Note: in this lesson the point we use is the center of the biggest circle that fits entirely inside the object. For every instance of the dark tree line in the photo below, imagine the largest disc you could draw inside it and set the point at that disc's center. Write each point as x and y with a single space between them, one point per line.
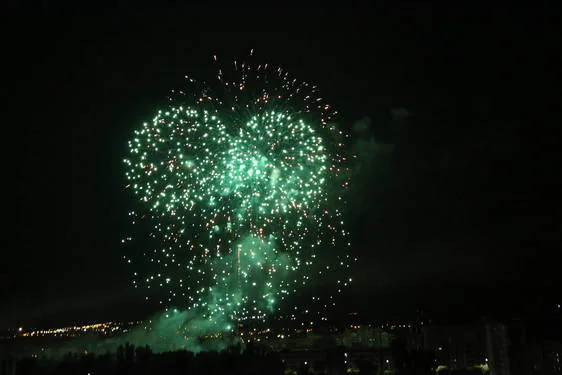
129 360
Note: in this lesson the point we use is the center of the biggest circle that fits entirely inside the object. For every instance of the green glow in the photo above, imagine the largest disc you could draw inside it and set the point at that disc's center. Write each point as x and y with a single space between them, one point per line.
238 194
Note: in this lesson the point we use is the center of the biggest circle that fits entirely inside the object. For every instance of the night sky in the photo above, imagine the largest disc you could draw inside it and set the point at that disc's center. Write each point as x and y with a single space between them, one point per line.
455 198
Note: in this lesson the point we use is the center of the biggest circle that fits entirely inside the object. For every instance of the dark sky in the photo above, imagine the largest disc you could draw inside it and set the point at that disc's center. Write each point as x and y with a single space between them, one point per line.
455 206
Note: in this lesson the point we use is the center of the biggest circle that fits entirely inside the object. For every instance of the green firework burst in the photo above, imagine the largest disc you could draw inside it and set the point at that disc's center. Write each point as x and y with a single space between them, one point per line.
240 193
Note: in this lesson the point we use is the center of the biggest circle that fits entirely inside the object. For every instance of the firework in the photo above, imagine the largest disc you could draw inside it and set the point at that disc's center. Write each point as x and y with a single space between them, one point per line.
240 185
